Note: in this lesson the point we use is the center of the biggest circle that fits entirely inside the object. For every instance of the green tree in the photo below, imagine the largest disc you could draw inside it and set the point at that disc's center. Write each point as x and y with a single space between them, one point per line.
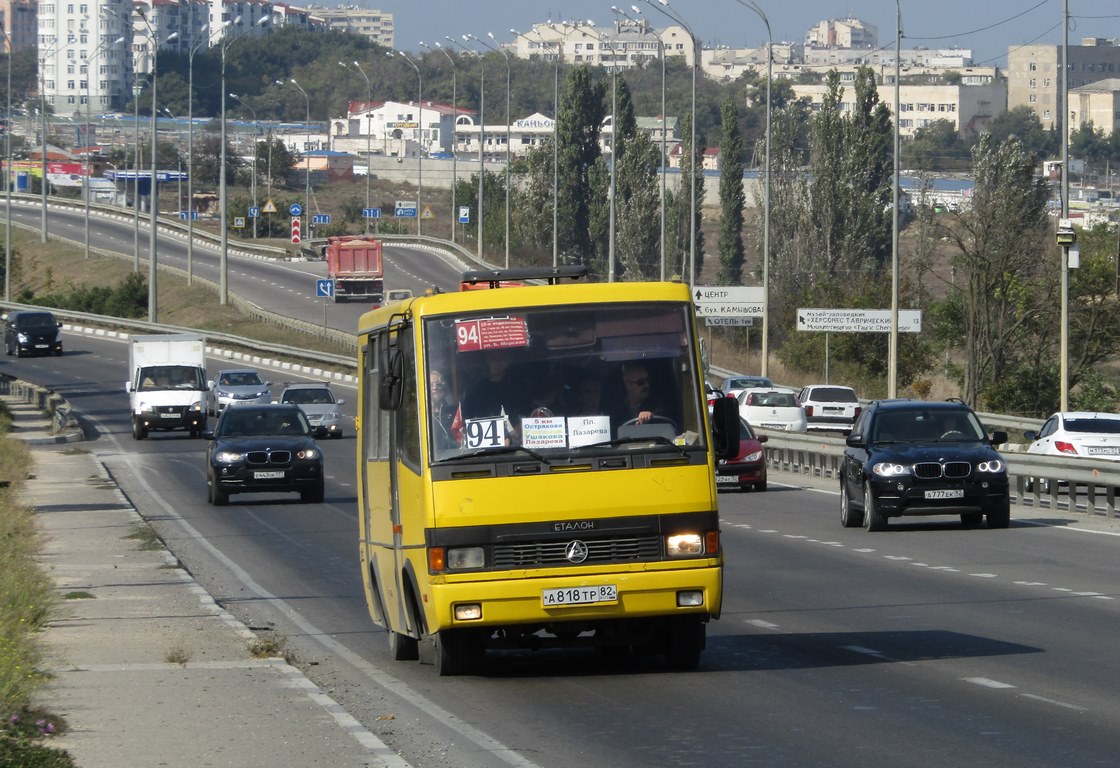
581 115
683 226
731 199
1001 285
274 162
207 162
937 147
637 245
1022 123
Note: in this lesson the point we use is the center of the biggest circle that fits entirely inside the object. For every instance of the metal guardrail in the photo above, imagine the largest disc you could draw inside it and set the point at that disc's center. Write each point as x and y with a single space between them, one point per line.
54 405
1037 481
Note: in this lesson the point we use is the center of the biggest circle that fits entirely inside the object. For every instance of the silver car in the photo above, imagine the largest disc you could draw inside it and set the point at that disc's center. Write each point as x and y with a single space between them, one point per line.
236 386
319 404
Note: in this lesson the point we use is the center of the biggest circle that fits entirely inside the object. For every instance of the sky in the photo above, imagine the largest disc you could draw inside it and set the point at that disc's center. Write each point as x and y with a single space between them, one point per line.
988 27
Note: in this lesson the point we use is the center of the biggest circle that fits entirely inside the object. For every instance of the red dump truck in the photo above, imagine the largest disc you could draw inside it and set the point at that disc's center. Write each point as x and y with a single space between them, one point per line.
354 264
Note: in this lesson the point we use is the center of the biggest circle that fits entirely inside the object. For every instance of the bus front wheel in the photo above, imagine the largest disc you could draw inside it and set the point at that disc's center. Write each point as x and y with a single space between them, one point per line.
457 652
403 647
684 642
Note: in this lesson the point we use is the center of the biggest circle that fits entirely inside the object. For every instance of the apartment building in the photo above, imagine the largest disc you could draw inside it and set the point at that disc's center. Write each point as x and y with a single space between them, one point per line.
1097 104
625 44
842 33
970 108
1034 74
20 23
179 25
84 54
374 24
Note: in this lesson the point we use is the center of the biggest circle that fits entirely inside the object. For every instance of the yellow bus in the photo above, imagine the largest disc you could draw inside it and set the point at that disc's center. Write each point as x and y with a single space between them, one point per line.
536 468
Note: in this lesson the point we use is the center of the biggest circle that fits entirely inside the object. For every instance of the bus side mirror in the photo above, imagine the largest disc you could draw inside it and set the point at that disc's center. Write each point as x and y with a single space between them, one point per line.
391 391
725 427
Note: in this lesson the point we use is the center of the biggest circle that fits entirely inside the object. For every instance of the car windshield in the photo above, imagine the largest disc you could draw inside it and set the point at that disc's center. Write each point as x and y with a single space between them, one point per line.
36 322
158 377
240 379
246 422
563 381
308 396
927 425
1093 426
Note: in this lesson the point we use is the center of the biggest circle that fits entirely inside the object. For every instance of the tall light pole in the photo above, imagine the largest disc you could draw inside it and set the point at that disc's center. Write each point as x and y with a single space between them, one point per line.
419 134
509 125
253 179
454 137
190 155
85 181
179 157
153 205
136 174
306 148
8 177
892 352
751 4
1063 334
614 154
481 138
369 100
664 7
57 48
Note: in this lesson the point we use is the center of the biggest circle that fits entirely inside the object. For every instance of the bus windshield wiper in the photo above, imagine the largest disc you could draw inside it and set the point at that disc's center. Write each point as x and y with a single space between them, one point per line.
505 449
659 439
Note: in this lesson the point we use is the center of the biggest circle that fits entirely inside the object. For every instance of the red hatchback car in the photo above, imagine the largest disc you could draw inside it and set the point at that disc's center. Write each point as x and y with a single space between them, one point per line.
748 468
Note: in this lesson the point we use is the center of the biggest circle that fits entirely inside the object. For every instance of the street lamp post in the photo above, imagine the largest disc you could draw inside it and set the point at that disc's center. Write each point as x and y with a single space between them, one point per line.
419 134
369 100
481 138
614 150
8 177
752 5
253 178
306 148
57 48
153 205
497 49
136 176
190 156
664 141
454 137
668 10
85 180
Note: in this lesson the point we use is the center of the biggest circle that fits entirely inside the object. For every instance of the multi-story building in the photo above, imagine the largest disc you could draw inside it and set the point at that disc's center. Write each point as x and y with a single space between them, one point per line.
84 54
1097 104
970 108
20 22
842 33
374 24
628 43
284 15
238 17
1034 74
179 25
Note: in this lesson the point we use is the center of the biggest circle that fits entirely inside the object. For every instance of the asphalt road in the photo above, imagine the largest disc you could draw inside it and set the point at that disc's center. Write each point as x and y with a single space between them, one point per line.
926 645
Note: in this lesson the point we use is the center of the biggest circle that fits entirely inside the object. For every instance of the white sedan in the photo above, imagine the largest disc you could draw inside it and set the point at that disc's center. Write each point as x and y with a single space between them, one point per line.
772 409
1078 433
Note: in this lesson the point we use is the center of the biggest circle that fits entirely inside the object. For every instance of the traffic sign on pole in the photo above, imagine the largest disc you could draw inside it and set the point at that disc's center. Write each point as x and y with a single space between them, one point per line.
729 301
296 230
464 214
320 218
254 211
371 213
405 209
324 287
295 209
858 320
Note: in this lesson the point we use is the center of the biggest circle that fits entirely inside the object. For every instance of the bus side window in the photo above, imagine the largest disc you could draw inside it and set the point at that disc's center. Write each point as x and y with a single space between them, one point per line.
408 417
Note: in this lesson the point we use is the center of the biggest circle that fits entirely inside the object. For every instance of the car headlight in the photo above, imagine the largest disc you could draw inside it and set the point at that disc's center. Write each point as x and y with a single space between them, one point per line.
196 406
991 465
265 393
22 338
227 457
334 415
307 453
223 393
890 469
684 545
757 455
459 558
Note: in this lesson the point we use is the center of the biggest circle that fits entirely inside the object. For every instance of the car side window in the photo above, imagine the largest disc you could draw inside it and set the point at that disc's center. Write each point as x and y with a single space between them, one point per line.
1049 428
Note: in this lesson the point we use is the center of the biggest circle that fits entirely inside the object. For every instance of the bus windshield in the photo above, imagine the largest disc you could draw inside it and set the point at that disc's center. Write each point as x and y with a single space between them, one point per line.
562 380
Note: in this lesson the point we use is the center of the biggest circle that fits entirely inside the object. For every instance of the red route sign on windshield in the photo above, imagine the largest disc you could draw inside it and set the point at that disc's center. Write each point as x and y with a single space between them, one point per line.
492 333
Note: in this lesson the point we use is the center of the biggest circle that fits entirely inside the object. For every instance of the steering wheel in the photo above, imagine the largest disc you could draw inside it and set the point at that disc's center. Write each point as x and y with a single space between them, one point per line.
953 434
652 420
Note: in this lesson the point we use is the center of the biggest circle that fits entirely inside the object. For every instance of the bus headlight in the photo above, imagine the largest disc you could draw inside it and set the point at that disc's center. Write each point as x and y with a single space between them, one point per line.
684 545
460 558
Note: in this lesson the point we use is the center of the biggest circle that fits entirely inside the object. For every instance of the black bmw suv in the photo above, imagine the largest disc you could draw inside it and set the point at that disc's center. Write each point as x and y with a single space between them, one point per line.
918 457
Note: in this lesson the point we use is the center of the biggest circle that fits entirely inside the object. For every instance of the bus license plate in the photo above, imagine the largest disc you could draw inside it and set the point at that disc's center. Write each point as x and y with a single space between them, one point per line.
602 593
271 475
952 493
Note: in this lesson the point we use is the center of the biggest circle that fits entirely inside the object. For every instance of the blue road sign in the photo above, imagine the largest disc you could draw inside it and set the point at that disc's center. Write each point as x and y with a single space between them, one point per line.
295 209
324 288
321 218
464 214
254 211
183 215
407 213
371 213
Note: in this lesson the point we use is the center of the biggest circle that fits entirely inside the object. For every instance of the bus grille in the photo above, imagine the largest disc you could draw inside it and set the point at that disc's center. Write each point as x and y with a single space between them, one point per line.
540 553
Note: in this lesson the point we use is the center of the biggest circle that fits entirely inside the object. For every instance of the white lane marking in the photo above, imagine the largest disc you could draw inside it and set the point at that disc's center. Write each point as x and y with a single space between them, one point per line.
1055 702
897 557
1031 583
985 575
860 649
761 624
987 682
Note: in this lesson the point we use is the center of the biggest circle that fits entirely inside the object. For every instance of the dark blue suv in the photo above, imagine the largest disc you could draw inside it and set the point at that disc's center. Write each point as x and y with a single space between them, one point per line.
917 457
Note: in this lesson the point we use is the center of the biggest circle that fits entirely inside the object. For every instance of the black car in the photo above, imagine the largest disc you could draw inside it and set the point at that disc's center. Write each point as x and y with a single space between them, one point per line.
32 332
917 457
267 448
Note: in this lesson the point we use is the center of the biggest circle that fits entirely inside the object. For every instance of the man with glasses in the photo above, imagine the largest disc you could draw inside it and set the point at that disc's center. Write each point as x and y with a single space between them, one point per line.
640 401
443 412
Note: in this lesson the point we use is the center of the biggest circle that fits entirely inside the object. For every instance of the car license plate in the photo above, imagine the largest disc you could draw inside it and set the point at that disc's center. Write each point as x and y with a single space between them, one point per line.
1104 450
41 346
602 593
772 426
269 475
727 479
833 409
169 415
951 493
